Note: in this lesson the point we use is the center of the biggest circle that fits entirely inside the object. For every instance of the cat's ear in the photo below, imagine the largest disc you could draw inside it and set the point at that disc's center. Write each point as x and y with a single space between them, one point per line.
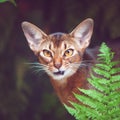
33 35
83 32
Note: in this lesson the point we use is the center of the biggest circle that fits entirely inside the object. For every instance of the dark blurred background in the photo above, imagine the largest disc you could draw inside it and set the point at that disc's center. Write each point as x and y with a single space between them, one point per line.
25 95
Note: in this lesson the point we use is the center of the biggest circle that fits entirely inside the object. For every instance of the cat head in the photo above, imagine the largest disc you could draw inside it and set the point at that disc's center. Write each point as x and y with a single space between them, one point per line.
60 54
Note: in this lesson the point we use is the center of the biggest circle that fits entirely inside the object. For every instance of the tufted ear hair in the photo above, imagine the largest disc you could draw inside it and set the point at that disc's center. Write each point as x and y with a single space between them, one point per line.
33 34
83 32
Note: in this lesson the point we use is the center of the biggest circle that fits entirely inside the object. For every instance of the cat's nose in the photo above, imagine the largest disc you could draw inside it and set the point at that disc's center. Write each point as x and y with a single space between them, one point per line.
57 65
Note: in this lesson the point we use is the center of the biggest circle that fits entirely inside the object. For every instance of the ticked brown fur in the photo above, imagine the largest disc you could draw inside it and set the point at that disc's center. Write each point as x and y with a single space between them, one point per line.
64 57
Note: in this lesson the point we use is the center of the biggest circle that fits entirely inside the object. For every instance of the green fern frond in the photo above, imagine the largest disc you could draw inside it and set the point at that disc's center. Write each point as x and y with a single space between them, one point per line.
103 66
115 78
115 71
89 101
71 110
115 86
114 63
97 95
102 102
101 72
82 114
97 85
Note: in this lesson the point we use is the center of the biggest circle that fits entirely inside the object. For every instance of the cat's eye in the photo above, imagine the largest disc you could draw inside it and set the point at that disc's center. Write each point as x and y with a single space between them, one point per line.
68 53
47 53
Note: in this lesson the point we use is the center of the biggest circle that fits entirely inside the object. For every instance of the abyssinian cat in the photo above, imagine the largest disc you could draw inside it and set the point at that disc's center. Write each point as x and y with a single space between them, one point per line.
64 57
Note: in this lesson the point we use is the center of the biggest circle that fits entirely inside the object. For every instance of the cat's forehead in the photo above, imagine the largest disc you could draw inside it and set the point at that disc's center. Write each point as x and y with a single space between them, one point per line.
59 39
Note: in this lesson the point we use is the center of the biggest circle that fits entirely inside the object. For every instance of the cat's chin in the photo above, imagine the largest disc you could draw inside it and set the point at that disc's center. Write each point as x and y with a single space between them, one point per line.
58 77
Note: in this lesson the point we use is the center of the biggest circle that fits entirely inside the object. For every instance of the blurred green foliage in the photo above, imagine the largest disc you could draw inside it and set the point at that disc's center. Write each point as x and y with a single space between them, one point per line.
3 1
23 94
12 1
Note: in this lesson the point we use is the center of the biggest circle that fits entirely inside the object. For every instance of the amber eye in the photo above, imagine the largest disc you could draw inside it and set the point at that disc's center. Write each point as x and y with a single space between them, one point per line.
47 53
68 53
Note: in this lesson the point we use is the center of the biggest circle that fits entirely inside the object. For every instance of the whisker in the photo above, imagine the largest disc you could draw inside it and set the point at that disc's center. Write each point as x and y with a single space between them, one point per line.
39 72
38 68
36 64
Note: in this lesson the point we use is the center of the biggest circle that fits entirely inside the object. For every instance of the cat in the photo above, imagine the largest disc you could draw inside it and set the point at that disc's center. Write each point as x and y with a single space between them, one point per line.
64 57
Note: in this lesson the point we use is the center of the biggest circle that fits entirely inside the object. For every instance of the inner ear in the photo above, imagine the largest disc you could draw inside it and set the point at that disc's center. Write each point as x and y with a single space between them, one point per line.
33 34
83 32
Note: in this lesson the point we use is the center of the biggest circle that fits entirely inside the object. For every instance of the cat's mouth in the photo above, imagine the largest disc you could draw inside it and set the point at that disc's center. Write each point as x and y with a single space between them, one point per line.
59 73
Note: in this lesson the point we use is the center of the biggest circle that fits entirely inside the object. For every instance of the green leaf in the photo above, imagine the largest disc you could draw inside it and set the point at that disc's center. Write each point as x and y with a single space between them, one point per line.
89 101
71 110
1 1
84 112
12 1
101 72
103 81
115 71
103 66
115 86
115 78
114 63
97 95
97 85
105 54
